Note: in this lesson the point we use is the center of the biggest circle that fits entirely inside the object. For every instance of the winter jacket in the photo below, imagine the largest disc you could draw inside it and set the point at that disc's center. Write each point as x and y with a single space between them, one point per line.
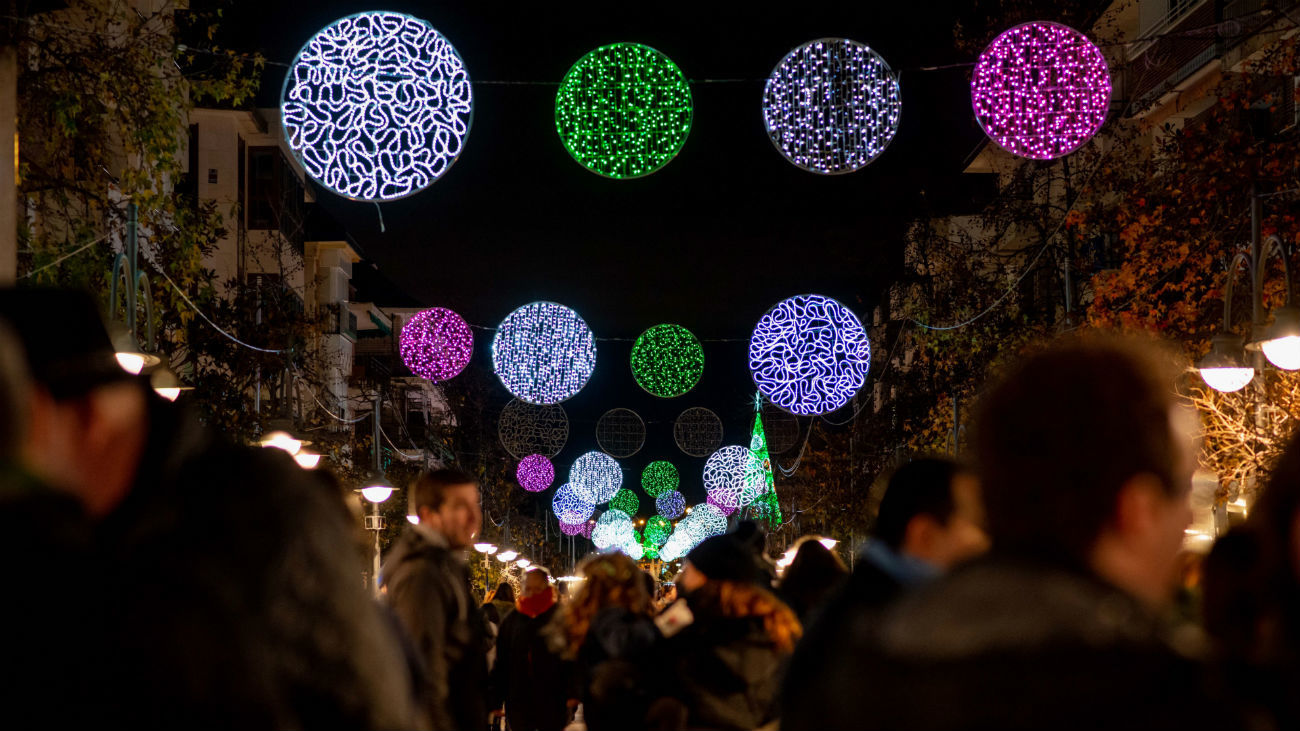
618 670
428 588
230 596
528 677
1007 643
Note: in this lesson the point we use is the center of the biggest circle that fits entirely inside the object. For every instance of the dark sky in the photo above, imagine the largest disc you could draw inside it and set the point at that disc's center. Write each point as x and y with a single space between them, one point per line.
711 241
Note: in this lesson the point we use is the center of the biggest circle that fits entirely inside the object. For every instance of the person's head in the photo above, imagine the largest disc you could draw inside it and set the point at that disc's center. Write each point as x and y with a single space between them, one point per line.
932 510
504 593
728 557
813 574
536 581
447 501
1085 456
87 417
723 577
609 580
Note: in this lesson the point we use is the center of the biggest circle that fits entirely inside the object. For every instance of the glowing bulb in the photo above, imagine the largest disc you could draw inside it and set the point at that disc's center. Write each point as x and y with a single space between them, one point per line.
829 543
507 556
523 563
485 548
376 493
1227 380
1283 352
307 460
413 519
171 394
132 363
282 440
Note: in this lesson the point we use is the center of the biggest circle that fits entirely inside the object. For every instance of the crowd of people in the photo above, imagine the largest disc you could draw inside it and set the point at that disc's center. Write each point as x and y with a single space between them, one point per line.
162 577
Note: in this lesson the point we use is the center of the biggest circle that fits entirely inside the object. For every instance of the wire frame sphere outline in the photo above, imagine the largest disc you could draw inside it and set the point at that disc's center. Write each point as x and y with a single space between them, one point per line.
535 473
436 344
660 477
671 505
1041 90
832 106
697 431
525 429
734 477
620 432
809 355
623 110
725 509
596 477
377 106
543 353
781 428
571 506
667 361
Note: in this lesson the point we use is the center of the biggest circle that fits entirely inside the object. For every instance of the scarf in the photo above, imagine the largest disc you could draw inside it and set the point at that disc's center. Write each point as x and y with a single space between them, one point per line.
535 605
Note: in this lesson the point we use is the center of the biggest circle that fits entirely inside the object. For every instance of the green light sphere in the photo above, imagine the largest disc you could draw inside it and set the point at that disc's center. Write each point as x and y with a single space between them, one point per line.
657 530
625 500
667 360
658 478
623 110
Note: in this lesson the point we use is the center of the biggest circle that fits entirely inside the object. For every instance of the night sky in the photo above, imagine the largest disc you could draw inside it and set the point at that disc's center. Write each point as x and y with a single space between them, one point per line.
711 241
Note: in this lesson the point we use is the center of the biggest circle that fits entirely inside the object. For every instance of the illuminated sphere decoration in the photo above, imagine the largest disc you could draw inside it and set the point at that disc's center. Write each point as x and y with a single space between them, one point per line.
697 431
535 473
659 477
596 477
726 510
734 477
657 530
667 361
671 505
436 344
377 106
1041 90
809 354
543 353
575 529
526 429
625 500
570 506
832 106
620 432
613 528
623 110
706 520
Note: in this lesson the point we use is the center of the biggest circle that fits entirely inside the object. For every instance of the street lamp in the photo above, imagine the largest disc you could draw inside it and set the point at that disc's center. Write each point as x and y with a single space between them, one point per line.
377 490
166 383
1223 368
126 272
1281 342
507 556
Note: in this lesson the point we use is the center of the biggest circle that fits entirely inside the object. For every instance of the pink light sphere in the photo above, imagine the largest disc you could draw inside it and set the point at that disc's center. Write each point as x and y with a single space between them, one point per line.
535 473
436 344
1041 90
576 529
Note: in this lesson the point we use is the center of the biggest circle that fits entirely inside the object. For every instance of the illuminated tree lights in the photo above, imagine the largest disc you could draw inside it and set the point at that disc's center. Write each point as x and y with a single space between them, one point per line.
571 506
671 505
543 353
436 344
620 432
625 500
1041 90
697 431
376 106
595 477
659 477
832 106
623 110
535 473
529 429
809 354
667 360
734 477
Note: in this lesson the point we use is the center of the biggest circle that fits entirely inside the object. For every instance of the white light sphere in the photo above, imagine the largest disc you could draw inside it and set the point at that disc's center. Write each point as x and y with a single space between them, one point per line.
571 507
734 477
595 477
544 353
1227 380
611 529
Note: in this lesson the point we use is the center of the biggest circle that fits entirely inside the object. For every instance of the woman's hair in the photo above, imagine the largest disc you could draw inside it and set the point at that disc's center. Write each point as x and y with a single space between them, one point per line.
812 576
504 593
734 600
612 580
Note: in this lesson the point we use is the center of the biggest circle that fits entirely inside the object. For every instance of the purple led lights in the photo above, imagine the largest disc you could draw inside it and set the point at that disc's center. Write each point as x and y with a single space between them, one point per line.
1041 90
535 473
436 344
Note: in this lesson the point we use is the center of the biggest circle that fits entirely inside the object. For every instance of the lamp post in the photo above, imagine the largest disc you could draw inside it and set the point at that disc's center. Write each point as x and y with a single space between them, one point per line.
376 491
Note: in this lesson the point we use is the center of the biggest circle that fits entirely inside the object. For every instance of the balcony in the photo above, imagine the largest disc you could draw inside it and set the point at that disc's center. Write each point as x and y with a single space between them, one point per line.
337 319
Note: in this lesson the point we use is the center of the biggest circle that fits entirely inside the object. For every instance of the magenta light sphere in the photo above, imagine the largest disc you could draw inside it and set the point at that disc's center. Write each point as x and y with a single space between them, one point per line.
535 473
436 344
1041 90
576 529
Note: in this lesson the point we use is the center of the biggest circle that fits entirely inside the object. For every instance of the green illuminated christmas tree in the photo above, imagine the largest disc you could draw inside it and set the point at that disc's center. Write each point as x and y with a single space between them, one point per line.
766 507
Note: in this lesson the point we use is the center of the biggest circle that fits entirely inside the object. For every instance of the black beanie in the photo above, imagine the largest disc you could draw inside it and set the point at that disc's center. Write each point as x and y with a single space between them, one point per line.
67 347
727 557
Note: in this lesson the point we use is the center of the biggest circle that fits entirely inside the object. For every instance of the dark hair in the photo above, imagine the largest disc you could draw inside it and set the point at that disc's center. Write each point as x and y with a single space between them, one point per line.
504 593
920 487
810 578
1062 433
538 570
430 488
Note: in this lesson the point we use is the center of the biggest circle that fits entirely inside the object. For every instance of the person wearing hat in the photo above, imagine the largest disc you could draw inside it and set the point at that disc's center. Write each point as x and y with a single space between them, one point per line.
225 590
728 652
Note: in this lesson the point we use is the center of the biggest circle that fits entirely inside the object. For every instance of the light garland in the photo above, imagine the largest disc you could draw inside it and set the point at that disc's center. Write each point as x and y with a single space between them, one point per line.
733 477
526 429
626 501
620 432
377 106
535 473
436 344
809 354
596 477
667 360
659 477
832 106
543 353
697 431
1041 90
623 110
671 505
571 506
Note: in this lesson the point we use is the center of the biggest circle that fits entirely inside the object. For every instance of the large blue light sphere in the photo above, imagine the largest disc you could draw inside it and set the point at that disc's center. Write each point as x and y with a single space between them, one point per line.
809 354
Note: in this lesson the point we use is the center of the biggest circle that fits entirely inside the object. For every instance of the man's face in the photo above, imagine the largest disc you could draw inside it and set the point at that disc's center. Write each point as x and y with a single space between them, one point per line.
535 583
963 536
459 517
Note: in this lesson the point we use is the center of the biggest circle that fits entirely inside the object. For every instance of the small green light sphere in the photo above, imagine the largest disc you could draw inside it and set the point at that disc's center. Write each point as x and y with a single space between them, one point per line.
657 530
625 500
659 477
623 110
667 360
